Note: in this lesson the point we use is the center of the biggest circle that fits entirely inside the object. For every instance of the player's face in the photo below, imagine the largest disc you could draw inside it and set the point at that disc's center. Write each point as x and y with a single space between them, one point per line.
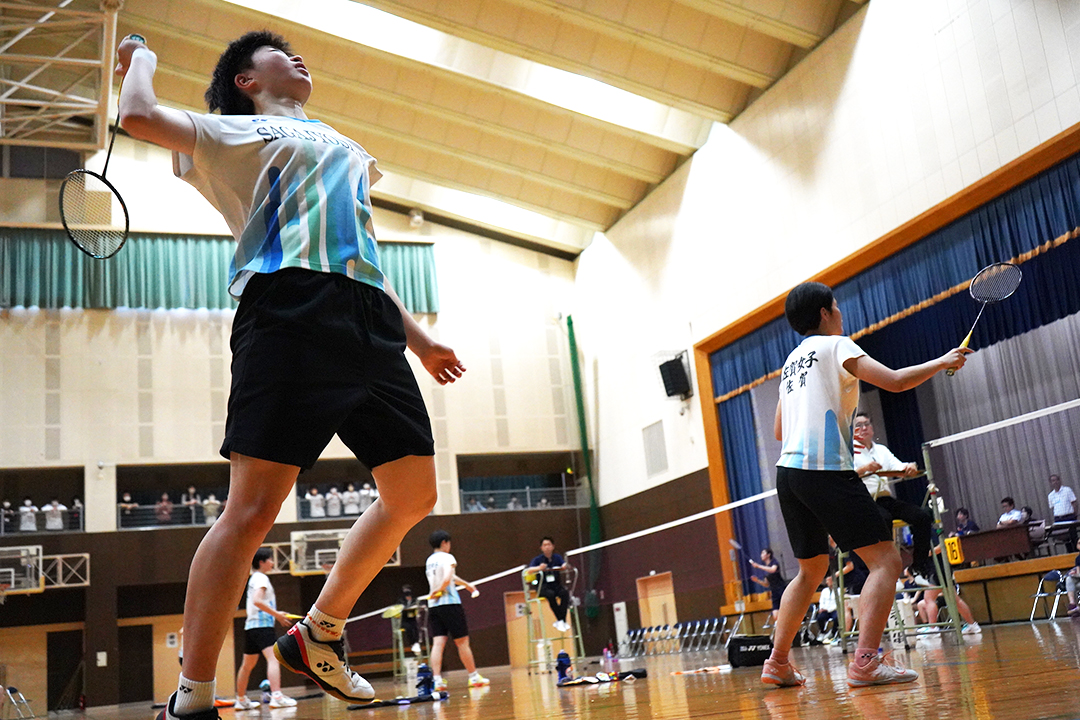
282 75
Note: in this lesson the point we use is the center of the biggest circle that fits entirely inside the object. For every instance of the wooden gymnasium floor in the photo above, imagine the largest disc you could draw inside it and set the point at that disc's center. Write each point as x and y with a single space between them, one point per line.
1019 671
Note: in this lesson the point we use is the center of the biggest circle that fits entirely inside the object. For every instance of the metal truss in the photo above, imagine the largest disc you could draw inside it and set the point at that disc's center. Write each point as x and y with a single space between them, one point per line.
64 571
56 72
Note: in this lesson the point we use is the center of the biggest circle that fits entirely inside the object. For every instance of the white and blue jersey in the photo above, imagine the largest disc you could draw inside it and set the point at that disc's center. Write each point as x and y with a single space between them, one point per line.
441 565
257 618
818 402
294 192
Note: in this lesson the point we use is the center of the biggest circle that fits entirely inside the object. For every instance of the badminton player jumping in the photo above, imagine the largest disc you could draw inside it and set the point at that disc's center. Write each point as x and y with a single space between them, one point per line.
318 346
819 492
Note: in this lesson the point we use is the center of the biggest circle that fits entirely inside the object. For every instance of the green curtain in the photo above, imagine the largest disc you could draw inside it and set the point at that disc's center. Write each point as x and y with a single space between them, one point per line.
42 268
410 268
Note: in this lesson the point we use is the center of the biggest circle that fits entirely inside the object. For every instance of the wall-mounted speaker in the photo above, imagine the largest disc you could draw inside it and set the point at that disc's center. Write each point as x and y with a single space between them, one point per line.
676 377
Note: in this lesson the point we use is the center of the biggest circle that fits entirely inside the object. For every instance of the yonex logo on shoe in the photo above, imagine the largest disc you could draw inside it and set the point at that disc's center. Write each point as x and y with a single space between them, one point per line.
324 666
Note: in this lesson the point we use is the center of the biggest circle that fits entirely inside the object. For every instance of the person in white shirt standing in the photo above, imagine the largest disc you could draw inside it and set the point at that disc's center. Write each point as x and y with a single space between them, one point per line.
333 502
820 494
54 515
445 614
1063 506
259 635
316 503
28 516
351 499
876 465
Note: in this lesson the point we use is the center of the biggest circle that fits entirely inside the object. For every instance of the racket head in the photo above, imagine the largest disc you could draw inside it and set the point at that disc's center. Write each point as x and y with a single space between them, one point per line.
996 282
94 214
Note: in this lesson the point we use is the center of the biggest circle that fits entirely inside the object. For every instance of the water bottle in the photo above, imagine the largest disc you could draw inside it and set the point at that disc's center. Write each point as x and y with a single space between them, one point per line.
265 687
425 680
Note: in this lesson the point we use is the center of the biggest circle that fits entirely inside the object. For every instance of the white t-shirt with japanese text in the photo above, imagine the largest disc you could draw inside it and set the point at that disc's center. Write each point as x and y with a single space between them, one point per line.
818 401
439 566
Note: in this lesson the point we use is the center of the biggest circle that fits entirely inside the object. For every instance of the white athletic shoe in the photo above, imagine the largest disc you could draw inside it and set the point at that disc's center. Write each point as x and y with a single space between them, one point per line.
971 629
242 703
478 680
278 700
440 684
323 662
879 671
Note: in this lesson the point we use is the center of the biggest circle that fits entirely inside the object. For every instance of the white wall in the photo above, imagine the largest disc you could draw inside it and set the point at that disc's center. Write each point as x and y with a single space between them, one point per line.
120 387
905 105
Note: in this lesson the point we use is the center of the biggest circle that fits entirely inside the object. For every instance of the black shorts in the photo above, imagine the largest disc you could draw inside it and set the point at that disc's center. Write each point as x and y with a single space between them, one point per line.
819 503
316 354
258 639
448 620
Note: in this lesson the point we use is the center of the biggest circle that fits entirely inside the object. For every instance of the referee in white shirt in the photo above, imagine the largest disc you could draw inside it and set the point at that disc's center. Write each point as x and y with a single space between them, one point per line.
873 458
1062 501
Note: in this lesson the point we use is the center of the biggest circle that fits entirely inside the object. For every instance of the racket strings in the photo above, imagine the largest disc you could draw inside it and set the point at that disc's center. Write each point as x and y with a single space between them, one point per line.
996 282
88 208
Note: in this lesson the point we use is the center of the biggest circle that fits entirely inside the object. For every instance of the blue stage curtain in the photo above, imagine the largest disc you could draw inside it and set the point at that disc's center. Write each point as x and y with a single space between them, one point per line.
901 417
744 480
1040 210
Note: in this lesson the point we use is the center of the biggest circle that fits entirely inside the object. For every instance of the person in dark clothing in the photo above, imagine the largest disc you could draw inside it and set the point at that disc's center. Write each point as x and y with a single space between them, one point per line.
549 582
773 579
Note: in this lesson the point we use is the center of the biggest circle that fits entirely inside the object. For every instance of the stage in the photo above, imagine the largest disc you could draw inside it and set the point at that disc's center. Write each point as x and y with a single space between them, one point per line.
1018 671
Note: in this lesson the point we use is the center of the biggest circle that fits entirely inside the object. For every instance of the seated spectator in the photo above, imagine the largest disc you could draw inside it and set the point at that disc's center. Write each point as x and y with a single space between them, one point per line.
316 503
543 503
351 500
28 516
163 510
490 503
54 515
514 503
1009 514
1071 581
75 515
333 502
211 508
964 524
473 505
827 610
928 609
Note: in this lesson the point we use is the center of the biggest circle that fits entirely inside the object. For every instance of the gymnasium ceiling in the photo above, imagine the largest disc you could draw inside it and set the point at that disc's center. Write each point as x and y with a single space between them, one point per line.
538 120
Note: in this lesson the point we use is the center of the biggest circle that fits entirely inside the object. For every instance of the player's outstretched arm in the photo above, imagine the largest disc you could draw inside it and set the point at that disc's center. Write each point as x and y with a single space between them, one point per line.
870 370
140 114
438 359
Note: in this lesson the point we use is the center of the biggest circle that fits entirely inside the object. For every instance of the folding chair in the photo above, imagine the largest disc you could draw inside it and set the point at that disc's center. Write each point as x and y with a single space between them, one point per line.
19 702
1058 578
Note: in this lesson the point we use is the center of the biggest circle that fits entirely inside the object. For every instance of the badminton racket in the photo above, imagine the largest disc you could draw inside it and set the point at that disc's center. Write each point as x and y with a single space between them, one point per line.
993 284
94 213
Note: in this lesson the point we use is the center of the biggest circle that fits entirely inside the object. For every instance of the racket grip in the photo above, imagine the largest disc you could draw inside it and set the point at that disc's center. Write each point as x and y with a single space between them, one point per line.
952 371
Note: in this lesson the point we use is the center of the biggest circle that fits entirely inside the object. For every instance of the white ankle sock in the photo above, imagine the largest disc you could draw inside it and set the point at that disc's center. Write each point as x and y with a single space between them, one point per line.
191 696
325 628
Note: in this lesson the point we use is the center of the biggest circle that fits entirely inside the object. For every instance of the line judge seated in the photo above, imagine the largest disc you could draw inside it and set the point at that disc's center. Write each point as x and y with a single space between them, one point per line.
877 467
549 582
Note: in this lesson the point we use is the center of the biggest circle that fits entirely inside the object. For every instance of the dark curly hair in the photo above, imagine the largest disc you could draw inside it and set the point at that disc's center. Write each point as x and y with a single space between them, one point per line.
223 94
